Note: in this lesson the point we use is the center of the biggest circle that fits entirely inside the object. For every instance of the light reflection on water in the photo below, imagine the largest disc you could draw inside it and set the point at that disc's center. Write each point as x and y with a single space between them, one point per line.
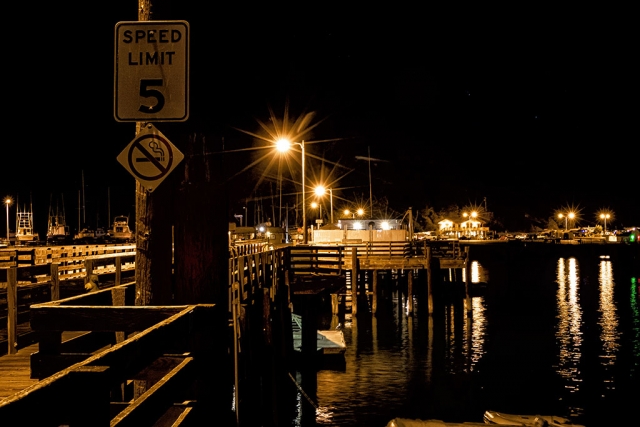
569 326
421 367
609 334
635 316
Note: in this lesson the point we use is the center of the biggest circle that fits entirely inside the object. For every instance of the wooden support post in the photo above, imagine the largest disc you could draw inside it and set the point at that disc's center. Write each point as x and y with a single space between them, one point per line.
118 300
429 282
55 281
467 274
118 280
410 292
88 269
334 304
201 256
354 281
309 341
374 302
93 400
12 310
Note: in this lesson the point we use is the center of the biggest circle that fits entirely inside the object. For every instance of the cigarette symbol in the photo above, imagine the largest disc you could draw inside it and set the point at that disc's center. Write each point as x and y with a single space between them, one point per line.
155 147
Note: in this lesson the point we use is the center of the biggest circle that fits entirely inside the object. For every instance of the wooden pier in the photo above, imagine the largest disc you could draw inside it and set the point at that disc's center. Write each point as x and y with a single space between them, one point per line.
128 358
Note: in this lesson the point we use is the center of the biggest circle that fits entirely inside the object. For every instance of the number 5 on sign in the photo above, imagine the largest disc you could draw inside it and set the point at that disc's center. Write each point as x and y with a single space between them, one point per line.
151 78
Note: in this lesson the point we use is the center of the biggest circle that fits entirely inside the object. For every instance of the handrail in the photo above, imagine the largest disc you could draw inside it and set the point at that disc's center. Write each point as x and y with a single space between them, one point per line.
80 394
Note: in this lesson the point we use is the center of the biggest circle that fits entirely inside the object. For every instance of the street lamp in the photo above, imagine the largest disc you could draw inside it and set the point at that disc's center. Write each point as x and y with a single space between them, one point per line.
320 191
282 145
605 217
316 205
8 201
569 215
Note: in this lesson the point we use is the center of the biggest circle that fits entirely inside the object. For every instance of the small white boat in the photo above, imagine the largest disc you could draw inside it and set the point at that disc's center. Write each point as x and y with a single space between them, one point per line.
404 422
85 236
329 342
120 231
500 418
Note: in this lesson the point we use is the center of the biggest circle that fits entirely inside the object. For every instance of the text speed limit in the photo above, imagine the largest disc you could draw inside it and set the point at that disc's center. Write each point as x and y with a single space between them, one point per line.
151 71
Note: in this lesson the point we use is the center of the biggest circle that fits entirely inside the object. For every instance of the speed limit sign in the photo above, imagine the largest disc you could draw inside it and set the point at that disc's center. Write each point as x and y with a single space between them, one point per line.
151 81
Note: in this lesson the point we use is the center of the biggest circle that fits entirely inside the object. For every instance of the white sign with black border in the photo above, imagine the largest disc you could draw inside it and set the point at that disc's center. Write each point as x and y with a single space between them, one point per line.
150 157
151 75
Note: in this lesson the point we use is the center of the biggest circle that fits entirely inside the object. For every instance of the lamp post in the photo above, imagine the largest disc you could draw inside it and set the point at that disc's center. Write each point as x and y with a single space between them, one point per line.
282 145
605 217
320 190
568 215
8 201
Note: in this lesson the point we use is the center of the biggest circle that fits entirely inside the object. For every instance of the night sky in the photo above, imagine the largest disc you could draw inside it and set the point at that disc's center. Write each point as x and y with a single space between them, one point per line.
533 109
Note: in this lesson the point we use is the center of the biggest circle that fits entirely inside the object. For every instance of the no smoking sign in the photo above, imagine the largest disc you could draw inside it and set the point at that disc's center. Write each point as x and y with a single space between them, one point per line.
150 157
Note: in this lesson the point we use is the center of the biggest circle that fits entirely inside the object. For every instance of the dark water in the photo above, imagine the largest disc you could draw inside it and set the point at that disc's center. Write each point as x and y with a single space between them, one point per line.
549 335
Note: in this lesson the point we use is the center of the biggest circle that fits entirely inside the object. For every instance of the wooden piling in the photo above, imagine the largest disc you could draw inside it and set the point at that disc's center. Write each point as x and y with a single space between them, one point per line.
410 292
12 310
374 302
467 274
429 282
118 279
88 270
55 281
354 281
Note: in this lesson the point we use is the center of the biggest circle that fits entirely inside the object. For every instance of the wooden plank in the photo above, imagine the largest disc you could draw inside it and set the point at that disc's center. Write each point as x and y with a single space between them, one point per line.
89 318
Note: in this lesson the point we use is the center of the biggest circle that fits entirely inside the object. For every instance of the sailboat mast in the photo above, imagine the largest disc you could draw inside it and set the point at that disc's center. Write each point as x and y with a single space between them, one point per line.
84 219
370 190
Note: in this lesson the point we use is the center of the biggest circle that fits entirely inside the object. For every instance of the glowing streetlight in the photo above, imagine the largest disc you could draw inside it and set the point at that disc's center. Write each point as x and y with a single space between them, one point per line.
283 145
359 212
8 201
473 214
320 191
569 215
316 205
605 217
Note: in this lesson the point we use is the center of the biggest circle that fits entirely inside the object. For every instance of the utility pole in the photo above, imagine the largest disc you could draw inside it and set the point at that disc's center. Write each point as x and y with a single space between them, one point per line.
152 230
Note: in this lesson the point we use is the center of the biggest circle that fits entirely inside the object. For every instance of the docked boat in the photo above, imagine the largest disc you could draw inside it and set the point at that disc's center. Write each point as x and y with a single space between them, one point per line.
100 235
329 342
405 422
85 235
25 234
501 418
57 229
120 231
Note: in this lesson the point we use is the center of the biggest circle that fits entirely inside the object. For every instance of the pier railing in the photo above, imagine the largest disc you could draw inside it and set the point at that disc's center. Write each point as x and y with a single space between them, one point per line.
40 275
154 353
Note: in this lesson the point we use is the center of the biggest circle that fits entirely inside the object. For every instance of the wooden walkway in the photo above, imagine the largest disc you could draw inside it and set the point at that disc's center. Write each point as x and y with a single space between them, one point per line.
15 369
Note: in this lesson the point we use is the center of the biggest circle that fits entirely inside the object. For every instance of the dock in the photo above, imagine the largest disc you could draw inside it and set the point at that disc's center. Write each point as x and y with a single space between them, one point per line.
265 285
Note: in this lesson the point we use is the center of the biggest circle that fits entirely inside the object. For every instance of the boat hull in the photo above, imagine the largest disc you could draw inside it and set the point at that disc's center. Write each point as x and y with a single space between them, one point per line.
501 418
